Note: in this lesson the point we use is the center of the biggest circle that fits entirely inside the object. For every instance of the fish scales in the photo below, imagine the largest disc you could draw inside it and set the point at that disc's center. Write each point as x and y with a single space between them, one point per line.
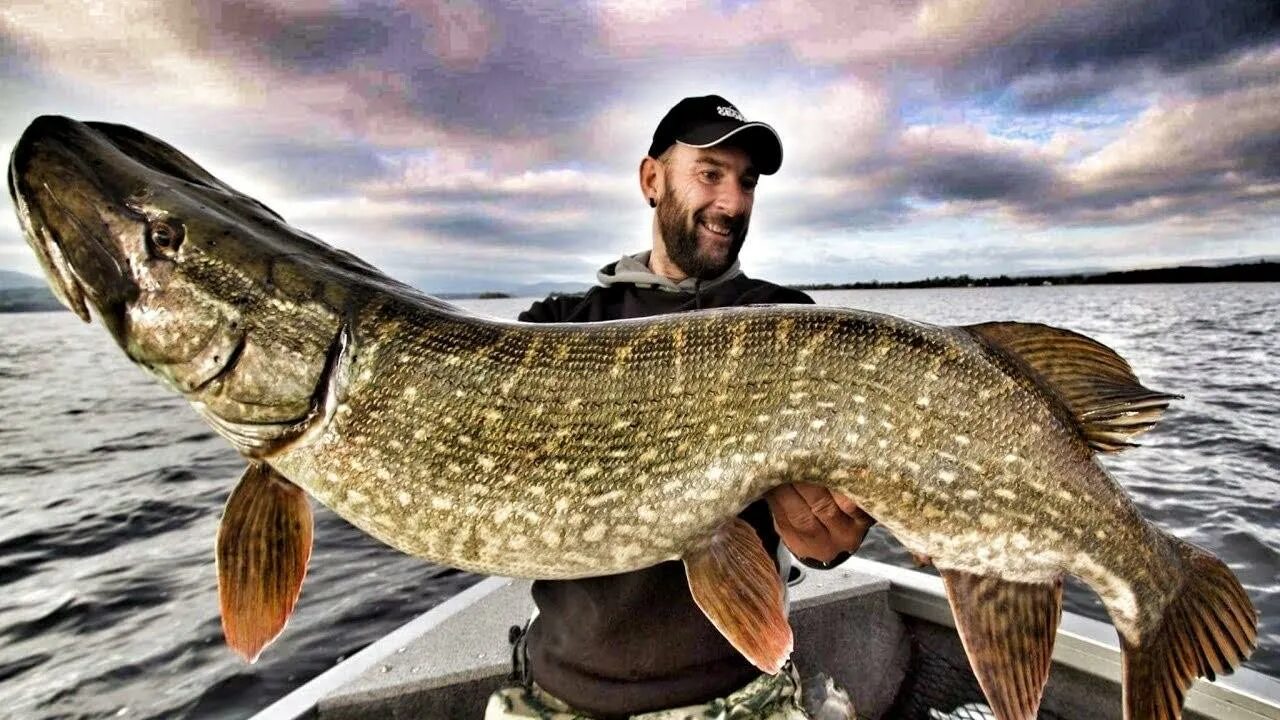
561 451
575 415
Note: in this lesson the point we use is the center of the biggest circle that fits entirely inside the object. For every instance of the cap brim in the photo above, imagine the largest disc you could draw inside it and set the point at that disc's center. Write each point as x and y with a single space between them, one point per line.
758 139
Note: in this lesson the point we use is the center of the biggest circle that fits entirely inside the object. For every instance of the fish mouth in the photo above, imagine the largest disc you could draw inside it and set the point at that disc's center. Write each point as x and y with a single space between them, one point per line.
58 271
61 177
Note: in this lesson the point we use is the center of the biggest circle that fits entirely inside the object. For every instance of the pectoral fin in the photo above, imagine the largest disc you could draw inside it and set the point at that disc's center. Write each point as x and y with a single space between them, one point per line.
735 583
1007 629
264 543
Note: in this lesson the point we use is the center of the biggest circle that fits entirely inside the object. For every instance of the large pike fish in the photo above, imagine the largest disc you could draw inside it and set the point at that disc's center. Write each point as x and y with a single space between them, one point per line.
562 451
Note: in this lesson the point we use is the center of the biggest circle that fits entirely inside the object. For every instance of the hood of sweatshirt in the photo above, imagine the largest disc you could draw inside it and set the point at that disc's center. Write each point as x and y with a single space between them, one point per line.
634 270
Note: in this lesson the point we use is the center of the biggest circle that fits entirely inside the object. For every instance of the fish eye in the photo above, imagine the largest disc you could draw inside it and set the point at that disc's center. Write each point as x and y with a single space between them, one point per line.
165 236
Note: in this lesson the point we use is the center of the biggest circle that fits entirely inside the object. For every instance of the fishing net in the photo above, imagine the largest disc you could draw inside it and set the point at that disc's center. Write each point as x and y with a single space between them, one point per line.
939 688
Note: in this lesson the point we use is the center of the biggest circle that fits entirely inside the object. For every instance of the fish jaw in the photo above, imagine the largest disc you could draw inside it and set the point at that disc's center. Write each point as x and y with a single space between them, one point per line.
65 214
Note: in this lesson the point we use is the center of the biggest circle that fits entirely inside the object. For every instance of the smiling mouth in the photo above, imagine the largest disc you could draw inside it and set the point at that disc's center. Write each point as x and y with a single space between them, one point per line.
716 228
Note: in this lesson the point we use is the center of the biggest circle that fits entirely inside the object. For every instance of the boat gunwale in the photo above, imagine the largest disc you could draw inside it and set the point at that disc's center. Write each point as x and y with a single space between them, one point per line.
303 701
1088 645
1084 644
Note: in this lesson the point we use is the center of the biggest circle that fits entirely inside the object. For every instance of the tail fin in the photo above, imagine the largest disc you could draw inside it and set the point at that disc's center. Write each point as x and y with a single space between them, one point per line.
1208 629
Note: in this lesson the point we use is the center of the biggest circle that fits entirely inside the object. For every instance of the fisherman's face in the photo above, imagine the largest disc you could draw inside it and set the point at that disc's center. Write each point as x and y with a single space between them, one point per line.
705 207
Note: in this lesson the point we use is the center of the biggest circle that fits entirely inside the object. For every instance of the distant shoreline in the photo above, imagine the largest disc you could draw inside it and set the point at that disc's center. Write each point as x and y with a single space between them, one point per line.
1261 271
28 299
38 299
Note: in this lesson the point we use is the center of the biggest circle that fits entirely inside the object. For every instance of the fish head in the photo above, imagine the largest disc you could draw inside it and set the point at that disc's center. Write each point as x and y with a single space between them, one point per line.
195 281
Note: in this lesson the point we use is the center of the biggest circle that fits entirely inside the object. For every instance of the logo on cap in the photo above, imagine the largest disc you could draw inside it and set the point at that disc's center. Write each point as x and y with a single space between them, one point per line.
731 111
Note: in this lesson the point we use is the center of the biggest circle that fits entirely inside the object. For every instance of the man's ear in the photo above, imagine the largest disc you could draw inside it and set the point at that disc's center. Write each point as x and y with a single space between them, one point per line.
651 180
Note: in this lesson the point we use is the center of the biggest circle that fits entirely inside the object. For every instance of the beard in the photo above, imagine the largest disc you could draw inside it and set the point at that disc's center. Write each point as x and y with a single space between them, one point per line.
679 228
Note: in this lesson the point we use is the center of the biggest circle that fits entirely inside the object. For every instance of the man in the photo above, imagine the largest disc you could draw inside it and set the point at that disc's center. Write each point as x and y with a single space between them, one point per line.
626 645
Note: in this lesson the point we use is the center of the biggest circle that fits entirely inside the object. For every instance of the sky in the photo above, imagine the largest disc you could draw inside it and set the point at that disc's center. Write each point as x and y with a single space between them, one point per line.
467 145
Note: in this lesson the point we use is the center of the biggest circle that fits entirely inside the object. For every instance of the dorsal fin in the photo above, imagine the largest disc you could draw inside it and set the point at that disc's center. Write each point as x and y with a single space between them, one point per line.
1097 385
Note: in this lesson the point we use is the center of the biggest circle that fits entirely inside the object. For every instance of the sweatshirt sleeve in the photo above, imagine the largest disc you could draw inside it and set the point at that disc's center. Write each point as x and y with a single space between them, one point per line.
548 310
769 294
566 307
792 296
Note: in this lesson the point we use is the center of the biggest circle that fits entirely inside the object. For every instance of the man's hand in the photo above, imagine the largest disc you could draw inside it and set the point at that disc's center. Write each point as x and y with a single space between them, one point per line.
816 523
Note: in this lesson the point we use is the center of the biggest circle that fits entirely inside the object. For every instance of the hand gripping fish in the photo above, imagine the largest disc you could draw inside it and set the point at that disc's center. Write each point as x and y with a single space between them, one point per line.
563 451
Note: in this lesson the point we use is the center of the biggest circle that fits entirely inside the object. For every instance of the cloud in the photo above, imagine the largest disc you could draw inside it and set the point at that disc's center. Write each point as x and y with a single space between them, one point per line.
318 37
1057 90
461 68
964 163
1046 53
1184 155
447 140
126 44
426 73
308 169
1251 68
1171 34
1199 168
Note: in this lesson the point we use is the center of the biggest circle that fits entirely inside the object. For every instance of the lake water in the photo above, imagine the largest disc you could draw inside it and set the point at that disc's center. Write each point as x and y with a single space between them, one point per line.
111 490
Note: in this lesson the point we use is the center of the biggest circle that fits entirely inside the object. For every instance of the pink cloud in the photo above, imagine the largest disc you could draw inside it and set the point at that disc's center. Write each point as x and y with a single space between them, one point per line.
462 31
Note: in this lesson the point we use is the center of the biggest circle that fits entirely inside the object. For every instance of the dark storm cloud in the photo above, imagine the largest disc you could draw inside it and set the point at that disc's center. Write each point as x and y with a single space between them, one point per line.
1173 34
519 223
977 176
920 166
543 73
308 169
533 69
1208 155
495 190
1066 90
1091 49
305 41
476 226
1208 158
869 207
1257 68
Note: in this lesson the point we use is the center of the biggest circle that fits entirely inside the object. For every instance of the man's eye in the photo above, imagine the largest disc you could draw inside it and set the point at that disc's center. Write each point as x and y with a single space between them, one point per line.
710 176
749 185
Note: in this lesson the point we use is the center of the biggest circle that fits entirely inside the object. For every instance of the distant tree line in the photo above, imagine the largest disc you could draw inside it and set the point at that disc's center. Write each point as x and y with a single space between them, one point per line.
1261 271
36 299
28 299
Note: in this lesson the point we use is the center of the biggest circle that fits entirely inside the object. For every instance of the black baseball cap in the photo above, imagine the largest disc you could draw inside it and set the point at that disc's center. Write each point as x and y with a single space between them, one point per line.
711 120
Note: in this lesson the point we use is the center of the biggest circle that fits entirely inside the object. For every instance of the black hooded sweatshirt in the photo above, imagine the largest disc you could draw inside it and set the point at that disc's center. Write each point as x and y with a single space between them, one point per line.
625 644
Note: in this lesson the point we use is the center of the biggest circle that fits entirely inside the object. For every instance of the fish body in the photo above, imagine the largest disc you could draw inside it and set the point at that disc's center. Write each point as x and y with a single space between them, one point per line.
495 446
561 451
